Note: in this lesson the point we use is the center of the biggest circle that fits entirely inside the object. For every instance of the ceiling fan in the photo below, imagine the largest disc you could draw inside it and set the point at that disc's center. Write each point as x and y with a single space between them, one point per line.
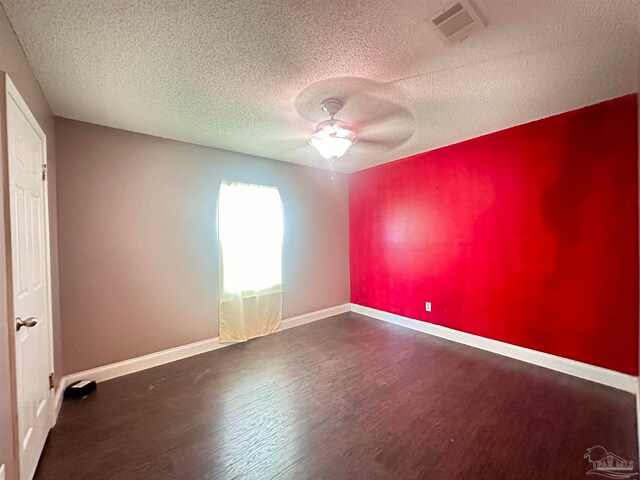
332 138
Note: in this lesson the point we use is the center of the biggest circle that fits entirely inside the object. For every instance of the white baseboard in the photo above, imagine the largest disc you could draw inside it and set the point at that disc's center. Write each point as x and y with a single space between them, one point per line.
114 370
58 397
118 369
313 316
601 375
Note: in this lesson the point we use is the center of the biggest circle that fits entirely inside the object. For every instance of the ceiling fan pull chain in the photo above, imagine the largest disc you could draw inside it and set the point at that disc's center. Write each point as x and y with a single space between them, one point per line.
333 168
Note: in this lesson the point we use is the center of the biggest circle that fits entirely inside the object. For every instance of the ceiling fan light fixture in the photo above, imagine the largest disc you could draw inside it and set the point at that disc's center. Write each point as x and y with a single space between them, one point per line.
332 138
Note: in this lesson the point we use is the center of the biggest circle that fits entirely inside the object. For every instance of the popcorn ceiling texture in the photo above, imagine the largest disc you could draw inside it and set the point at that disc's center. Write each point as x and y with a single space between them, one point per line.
247 76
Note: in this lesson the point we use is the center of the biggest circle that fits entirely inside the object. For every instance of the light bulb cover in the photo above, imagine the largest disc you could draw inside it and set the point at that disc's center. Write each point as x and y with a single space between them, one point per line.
332 138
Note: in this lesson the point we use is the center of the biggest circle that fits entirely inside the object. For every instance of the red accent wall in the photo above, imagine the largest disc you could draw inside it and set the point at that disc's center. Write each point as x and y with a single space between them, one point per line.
528 235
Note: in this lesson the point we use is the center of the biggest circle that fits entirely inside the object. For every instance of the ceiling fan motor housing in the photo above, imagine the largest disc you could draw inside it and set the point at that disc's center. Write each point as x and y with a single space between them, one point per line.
331 106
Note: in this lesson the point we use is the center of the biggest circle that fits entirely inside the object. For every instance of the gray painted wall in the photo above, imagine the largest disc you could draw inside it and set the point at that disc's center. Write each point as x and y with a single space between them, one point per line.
138 247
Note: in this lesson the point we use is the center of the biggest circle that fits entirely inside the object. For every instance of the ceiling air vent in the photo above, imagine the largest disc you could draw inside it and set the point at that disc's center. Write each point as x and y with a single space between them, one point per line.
457 21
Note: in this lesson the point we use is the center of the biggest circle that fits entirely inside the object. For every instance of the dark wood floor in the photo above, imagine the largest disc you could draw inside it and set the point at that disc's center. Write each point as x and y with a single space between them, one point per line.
343 398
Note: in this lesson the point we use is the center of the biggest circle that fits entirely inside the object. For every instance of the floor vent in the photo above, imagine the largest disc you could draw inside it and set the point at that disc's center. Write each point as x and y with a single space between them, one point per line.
457 21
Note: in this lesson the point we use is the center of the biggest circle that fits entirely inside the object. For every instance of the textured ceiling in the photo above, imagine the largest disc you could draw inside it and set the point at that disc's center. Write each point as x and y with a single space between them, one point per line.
249 76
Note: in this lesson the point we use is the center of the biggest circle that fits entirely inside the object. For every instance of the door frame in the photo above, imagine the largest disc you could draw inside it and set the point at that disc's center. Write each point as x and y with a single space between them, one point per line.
12 94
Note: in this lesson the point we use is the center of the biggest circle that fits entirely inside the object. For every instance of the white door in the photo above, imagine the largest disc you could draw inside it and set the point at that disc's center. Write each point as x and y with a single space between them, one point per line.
30 280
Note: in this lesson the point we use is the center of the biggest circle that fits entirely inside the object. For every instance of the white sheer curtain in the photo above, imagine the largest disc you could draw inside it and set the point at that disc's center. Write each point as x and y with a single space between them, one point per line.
250 227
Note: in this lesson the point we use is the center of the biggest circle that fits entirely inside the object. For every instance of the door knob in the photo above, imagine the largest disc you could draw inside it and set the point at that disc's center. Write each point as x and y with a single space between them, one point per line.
27 322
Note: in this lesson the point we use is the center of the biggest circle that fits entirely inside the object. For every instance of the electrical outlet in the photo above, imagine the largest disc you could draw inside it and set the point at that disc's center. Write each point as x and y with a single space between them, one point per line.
427 306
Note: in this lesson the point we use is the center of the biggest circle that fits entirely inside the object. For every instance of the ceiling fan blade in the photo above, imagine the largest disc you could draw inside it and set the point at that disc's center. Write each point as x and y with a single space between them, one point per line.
385 142
378 132
381 115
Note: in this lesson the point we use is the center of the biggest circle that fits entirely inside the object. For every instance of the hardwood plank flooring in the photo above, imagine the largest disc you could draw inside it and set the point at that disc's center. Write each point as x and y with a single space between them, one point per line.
343 398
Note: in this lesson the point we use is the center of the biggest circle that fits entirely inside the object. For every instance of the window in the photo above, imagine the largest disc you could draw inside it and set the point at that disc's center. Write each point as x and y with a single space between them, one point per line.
250 224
